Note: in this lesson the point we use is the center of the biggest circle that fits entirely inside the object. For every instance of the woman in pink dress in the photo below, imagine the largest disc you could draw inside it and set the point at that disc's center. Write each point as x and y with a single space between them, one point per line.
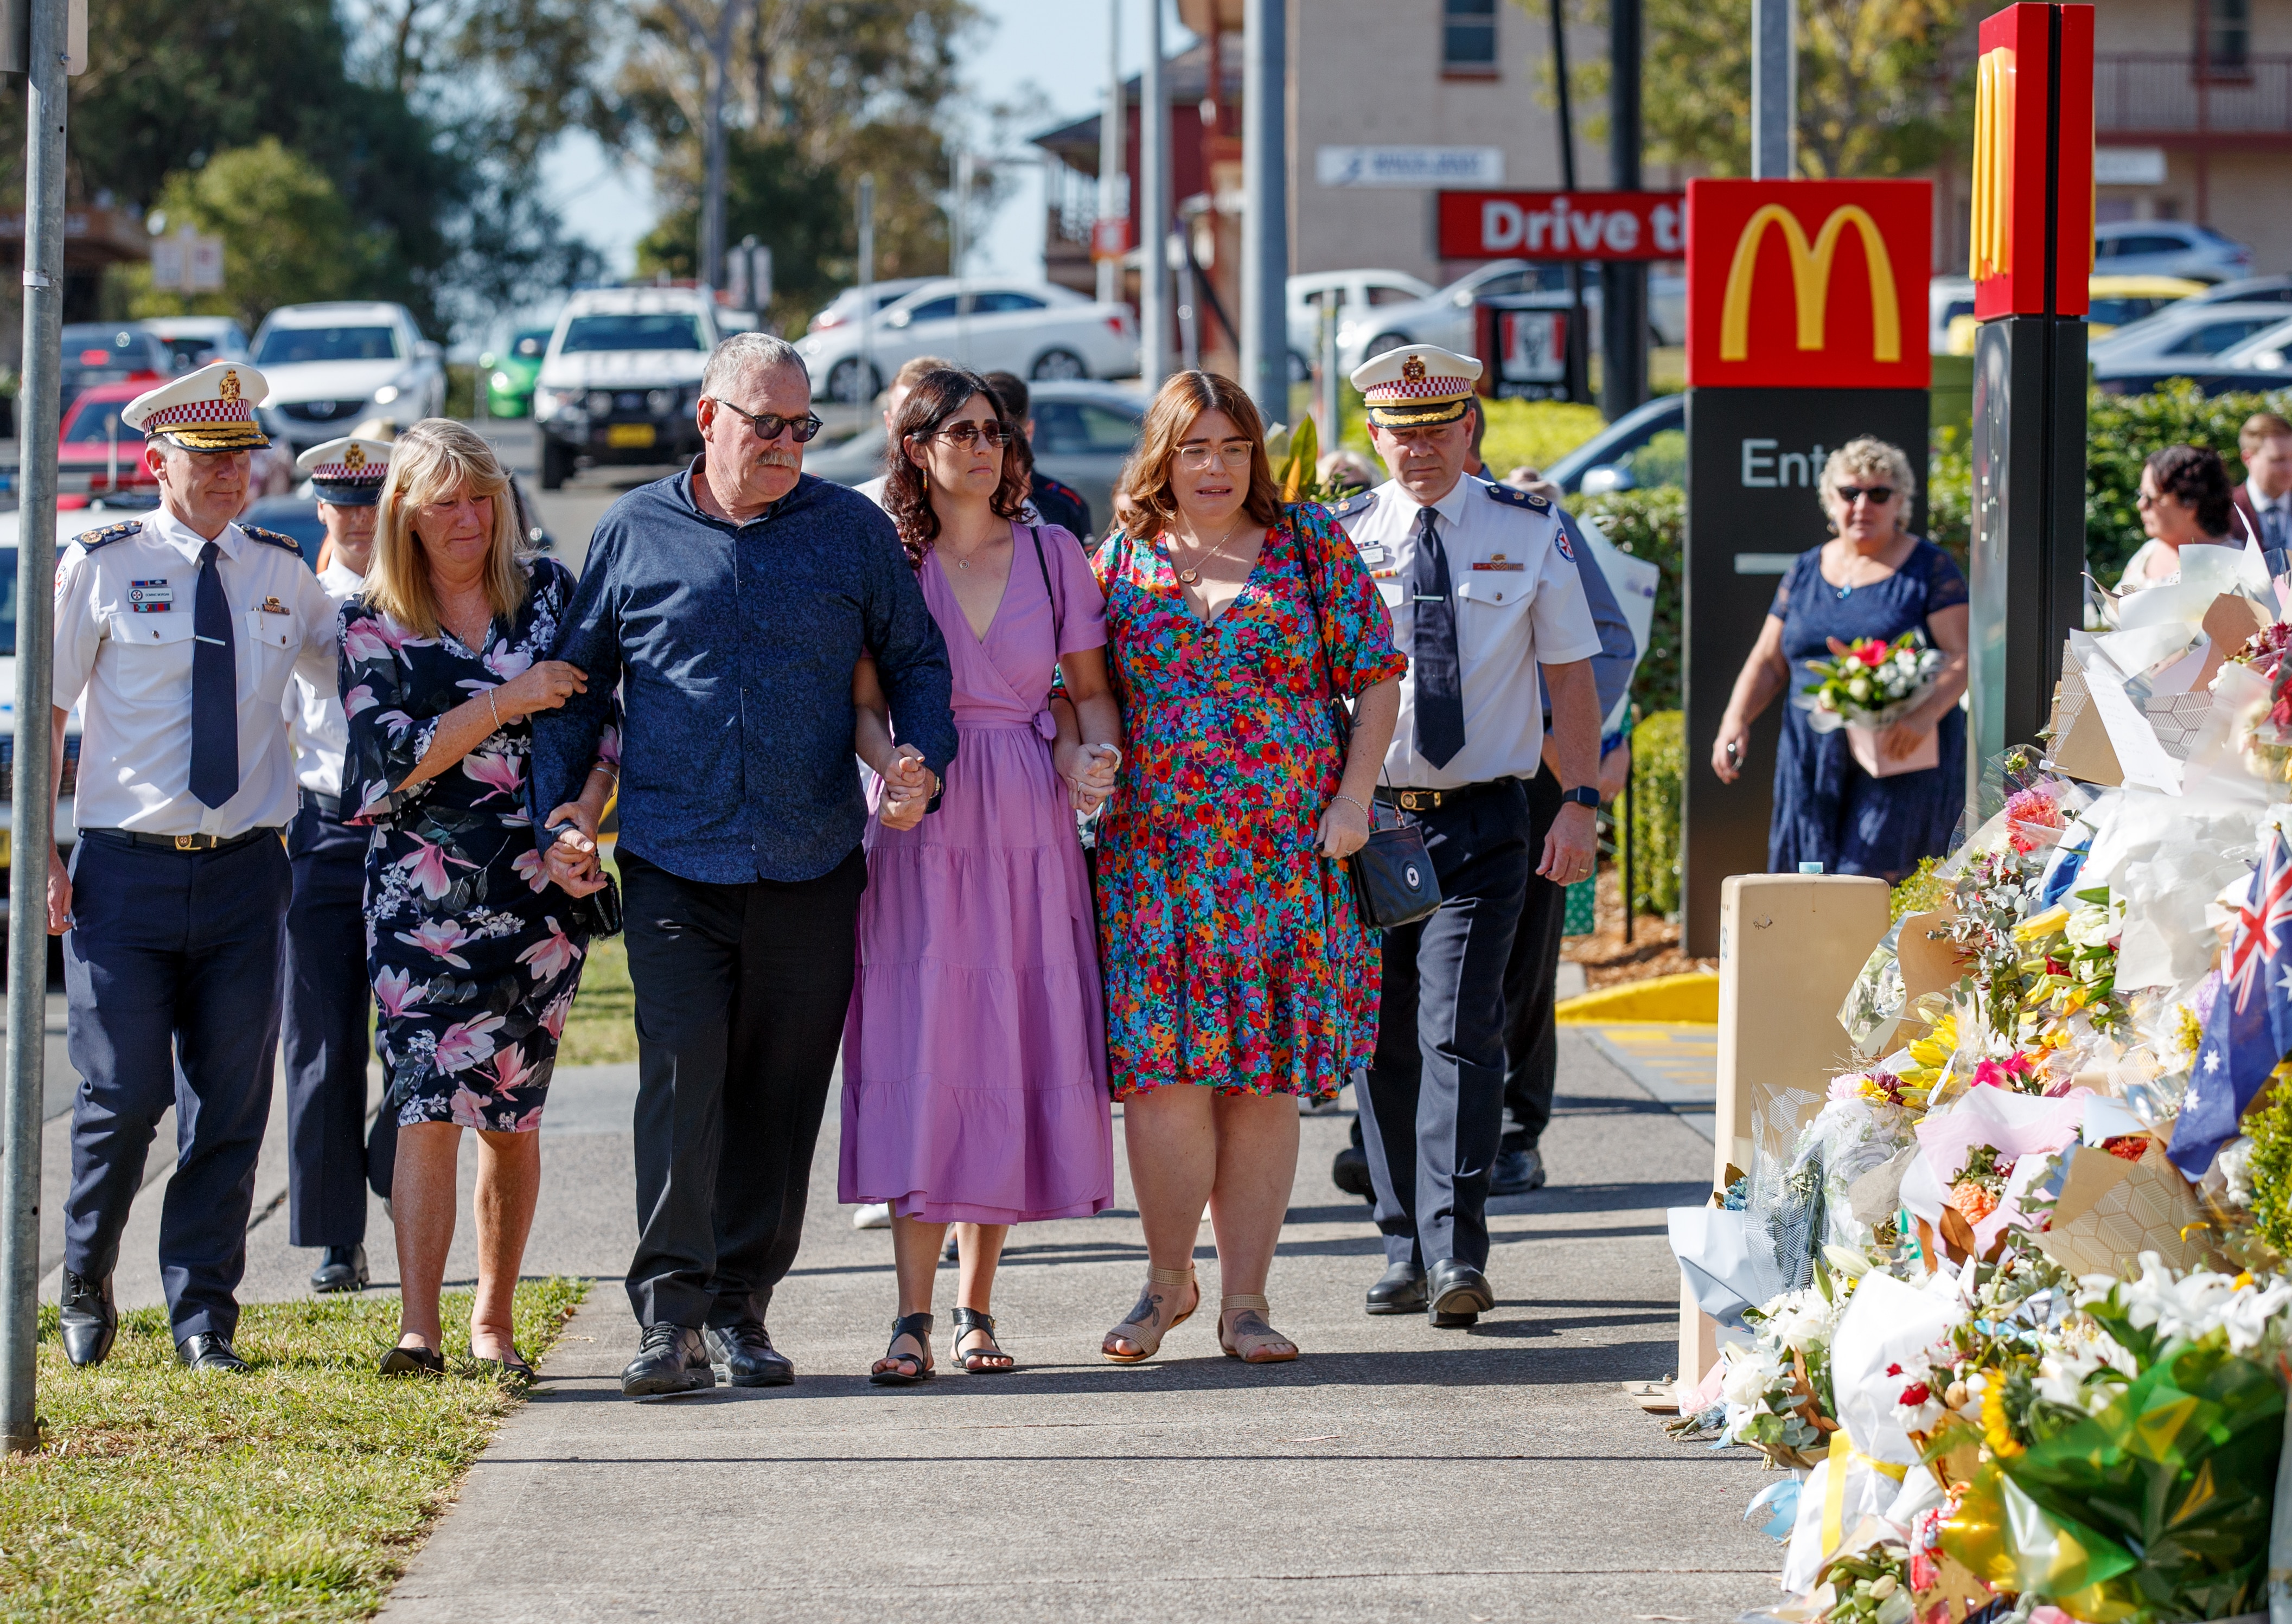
974 1052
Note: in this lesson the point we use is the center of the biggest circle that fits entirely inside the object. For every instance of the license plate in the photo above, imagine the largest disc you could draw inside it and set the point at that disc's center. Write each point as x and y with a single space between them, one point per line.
624 434
7 847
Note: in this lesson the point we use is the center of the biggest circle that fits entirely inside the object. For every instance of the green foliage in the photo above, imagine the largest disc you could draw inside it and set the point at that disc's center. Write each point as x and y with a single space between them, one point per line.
1659 766
294 1492
1920 891
1533 433
2269 1171
1949 494
1651 523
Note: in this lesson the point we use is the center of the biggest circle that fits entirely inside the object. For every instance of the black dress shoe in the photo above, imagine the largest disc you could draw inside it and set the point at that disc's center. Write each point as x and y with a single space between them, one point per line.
1457 1294
90 1318
1517 1172
204 1351
343 1269
670 1359
1349 1173
1401 1289
743 1355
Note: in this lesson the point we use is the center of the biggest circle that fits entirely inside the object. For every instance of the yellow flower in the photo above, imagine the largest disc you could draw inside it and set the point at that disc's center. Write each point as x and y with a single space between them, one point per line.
2043 925
1995 1432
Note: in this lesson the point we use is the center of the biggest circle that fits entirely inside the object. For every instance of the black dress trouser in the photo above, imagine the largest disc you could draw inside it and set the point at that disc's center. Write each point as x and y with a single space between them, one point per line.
1434 1108
740 996
1531 1034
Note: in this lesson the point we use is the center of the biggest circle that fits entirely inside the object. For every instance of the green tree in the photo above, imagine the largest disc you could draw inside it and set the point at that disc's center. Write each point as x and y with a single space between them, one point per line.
287 236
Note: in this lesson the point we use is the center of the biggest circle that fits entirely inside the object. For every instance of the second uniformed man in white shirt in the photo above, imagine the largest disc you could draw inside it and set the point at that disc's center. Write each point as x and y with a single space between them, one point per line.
1484 594
178 635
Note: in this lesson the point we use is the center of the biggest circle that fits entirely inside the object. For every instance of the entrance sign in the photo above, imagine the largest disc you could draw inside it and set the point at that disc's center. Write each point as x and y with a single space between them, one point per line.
1563 225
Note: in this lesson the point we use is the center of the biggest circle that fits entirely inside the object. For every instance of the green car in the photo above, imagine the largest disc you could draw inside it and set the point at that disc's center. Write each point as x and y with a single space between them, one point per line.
509 376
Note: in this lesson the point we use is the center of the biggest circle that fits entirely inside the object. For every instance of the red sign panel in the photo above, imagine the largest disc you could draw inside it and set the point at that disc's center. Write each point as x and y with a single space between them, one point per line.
2020 94
1563 225
1808 283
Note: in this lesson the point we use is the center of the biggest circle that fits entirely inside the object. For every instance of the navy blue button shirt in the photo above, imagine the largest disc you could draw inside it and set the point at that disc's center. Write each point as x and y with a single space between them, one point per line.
733 646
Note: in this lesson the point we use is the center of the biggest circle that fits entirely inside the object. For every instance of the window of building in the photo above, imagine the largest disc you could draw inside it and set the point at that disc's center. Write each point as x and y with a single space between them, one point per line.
1468 36
2226 43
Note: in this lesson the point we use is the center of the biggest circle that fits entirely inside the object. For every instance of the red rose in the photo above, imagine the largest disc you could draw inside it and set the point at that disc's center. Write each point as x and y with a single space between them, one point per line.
1916 1393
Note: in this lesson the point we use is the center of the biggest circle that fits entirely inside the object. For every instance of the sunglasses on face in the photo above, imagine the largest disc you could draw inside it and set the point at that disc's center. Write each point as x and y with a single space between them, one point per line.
770 425
1878 494
969 434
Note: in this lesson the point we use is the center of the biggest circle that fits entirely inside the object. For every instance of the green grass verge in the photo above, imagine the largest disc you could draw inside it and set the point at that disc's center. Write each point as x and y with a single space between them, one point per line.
298 1492
602 1030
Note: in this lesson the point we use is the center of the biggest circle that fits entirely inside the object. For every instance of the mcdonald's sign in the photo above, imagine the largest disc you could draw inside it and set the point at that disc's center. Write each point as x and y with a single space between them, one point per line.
2032 235
1808 283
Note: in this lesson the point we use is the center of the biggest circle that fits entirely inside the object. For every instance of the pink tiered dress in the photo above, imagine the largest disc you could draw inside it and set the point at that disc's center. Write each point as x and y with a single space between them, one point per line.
974 1050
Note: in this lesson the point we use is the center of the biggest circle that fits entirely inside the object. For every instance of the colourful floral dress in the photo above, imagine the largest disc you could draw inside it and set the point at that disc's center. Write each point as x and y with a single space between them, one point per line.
469 944
1234 959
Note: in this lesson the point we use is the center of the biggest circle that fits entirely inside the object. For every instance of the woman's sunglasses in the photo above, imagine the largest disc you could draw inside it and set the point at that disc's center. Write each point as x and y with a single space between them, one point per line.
969 434
1879 494
771 425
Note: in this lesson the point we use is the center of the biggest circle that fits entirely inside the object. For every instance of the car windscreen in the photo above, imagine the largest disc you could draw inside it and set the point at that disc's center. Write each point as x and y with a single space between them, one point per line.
294 346
8 602
294 517
1072 428
92 422
631 331
100 348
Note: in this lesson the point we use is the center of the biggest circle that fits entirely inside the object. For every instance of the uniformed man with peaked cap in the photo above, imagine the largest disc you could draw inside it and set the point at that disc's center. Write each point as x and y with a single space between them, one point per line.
331 1161
1481 586
177 634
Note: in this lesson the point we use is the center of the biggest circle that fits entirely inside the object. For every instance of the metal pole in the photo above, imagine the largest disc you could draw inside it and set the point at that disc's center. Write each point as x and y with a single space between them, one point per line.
1153 209
1579 341
1265 218
1190 314
866 385
34 832
1631 771
1622 371
959 250
1332 401
1774 89
1112 205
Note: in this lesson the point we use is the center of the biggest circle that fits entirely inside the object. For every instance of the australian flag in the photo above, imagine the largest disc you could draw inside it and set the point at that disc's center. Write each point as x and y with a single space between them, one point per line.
2251 1028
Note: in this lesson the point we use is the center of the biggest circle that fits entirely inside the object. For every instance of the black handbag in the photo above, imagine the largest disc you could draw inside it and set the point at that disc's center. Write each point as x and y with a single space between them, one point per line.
1393 880
599 912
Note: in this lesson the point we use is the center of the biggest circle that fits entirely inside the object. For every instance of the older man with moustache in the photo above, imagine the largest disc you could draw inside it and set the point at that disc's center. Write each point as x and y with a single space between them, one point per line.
730 604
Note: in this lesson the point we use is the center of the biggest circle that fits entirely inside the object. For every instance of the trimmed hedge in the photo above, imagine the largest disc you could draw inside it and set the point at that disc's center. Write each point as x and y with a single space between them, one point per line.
1650 524
1657 762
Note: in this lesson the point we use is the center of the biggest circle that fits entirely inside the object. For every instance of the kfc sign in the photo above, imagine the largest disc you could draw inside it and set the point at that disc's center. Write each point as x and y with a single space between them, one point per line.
1808 283
1562 225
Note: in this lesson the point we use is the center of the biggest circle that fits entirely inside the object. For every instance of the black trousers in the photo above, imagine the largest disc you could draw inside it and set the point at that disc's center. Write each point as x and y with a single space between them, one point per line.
1434 1113
331 1160
740 997
171 978
1531 1034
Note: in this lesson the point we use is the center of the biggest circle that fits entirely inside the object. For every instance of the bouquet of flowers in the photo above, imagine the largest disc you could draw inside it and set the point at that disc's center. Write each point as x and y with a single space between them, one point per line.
1867 686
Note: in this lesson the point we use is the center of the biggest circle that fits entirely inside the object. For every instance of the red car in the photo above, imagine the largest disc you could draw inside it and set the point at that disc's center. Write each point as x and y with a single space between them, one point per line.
86 465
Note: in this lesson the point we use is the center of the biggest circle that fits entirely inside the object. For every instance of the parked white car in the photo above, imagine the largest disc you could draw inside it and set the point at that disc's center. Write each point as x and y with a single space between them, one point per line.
1035 330
620 381
198 340
2182 334
332 366
1446 317
1358 293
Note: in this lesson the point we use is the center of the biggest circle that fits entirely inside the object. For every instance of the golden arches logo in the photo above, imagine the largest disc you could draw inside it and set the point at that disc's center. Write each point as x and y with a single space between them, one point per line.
1990 241
1810 265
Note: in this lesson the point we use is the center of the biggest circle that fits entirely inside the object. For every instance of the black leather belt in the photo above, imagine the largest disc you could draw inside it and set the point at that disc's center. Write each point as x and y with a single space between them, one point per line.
326 805
1434 800
179 843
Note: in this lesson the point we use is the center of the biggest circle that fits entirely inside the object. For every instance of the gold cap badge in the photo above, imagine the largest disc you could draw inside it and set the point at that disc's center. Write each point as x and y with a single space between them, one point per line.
1413 369
229 387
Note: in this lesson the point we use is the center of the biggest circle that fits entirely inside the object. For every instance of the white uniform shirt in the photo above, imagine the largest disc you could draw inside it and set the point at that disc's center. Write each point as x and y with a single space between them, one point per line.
315 723
1519 604
123 614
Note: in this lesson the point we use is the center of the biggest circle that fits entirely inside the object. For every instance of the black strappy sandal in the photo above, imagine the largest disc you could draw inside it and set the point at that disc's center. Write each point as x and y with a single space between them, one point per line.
919 1327
515 1368
414 1361
967 1320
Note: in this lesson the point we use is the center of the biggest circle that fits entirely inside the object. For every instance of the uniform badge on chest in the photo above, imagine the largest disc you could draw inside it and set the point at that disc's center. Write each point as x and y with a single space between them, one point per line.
1498 561
150 597
272 606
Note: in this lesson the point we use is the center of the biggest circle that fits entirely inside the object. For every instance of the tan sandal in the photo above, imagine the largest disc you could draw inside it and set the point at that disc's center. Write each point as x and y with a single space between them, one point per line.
1143 1327
1251 1345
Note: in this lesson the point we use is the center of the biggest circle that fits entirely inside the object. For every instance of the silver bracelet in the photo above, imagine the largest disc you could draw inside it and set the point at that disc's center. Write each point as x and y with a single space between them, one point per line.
494 708
1366 816
608 768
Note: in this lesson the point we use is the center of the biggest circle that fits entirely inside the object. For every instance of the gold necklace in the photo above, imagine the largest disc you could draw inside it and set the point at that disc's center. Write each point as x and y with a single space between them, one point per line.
963 562
1194 574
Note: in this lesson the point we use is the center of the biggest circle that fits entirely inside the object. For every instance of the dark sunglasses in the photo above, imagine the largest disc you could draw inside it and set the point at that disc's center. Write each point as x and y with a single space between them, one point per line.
770 425
971 433
1878 494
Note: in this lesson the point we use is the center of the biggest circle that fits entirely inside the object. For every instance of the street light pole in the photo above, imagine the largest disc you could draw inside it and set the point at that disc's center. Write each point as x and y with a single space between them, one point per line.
34 838
864 387
1111 203
1265 209
1153 210
1774 89
1622 316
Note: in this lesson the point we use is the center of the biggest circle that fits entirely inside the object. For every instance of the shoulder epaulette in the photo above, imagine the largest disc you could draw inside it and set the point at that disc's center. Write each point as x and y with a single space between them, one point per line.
257 533
1358 503
1519 498
92 539
1058 489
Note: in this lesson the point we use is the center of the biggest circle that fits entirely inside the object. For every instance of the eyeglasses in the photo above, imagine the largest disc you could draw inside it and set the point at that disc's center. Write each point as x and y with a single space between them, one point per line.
2143 498
969 434
1879 494
1234 453
771 425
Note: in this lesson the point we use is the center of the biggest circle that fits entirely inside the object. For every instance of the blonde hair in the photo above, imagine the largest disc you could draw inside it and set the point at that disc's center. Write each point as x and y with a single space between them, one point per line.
1865 458
437 460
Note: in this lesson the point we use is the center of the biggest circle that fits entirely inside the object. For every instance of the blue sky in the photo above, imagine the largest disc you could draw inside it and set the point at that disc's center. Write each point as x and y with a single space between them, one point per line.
1055 47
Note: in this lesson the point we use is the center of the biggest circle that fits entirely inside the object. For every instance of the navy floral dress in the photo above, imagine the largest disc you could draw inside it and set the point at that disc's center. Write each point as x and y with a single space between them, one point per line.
1826 808
469 946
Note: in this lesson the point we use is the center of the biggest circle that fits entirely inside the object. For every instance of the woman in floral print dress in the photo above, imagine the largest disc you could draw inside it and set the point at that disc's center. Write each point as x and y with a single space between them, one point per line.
1238 978
474 952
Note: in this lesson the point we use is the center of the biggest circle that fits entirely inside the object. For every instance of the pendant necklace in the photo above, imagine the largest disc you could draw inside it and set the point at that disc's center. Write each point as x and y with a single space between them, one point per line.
1194 574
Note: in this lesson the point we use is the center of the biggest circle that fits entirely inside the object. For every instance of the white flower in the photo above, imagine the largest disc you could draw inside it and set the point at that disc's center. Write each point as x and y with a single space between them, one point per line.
1858 689
2236 1171
2095 924
1752 1373
2197 1304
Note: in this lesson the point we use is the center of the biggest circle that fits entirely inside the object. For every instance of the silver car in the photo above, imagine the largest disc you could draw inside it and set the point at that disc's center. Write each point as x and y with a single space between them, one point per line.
2168 248
2183 335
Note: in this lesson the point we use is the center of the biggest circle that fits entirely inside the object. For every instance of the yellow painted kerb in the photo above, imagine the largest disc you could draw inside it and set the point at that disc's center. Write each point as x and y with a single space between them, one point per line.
1692 999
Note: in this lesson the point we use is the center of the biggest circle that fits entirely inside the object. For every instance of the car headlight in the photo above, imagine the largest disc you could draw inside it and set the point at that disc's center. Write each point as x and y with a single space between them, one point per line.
660 402
599 402
501 381
385 394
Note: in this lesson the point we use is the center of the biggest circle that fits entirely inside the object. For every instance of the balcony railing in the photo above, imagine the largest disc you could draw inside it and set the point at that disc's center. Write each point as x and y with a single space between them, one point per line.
2178 95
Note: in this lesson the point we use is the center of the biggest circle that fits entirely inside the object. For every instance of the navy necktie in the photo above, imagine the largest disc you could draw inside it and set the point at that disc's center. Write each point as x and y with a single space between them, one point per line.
1432 648
214 689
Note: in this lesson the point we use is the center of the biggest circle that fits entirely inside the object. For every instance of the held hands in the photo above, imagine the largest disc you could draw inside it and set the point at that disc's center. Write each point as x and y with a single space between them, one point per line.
1088 770
1729 749
1344 829
572 863
543 685
907 789
1572 848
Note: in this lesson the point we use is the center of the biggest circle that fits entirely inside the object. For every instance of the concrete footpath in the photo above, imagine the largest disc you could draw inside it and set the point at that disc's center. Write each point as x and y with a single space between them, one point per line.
1393 1473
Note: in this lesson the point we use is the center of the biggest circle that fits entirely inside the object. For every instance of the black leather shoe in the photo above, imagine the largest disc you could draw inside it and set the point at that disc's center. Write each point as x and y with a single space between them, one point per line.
204 1351
1349 1173
1401 1289
671 1359
343 1269
90 1318
1517 1172
743 1355
1457 1294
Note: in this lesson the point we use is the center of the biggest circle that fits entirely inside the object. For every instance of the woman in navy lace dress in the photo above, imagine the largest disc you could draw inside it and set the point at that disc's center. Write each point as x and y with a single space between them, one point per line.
1873 578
